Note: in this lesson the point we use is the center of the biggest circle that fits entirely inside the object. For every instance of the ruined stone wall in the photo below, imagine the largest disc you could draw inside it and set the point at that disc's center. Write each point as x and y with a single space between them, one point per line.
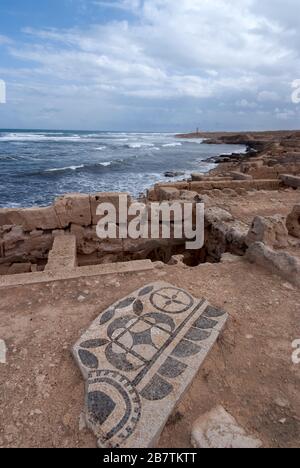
27 235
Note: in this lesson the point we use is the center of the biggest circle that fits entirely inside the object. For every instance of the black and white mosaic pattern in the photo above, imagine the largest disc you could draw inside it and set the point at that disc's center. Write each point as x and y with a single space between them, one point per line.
138 358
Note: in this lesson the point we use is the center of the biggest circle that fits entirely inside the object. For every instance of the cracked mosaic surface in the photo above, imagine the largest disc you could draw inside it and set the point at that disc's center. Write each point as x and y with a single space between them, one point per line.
139 356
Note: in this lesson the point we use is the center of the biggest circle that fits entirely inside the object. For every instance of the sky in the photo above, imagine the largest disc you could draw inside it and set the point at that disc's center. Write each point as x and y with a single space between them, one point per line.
149 65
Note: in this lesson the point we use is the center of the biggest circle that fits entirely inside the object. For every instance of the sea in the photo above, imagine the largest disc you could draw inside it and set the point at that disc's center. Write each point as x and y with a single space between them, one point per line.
38 166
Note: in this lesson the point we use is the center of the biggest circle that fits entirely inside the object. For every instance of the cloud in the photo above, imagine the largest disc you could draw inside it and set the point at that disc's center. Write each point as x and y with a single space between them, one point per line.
5 40
175 55
132 5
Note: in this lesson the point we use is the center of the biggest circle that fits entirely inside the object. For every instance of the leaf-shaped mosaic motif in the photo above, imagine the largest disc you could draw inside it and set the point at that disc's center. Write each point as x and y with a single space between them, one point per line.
146 290
213 312
88 359
138 307
90 344
126 303
107 316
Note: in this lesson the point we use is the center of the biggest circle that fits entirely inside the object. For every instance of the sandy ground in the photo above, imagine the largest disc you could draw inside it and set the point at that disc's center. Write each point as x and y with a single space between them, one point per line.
249 371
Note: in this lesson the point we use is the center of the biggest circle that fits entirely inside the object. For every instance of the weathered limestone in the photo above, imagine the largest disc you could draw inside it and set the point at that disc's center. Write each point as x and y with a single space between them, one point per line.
198 177
240 176
79 272
139 357
293 222
236 184
290 180
218 429
63 255
73 208
223 233
168 193
30 218
19 246
107 197
271 230
19 268
3 351
205 177
280 263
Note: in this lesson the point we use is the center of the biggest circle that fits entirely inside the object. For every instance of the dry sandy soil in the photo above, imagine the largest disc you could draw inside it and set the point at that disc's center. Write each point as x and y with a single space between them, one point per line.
249 371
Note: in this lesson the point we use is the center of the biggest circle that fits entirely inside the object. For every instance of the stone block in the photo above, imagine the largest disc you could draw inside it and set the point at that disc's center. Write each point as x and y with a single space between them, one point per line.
236 184
240 176
293 222
19 268
63 254
290 180
271 230
139 357
31 218
108 197
198 177
73 208
168 193
39 218
280 263
218 429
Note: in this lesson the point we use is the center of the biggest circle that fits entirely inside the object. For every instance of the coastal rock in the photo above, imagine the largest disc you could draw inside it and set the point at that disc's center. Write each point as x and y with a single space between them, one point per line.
168 193
270 230
198 177
173 174
188 195
293 222
218 429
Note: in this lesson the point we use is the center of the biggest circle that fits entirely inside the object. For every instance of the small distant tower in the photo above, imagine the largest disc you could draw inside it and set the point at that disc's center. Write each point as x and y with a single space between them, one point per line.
197 130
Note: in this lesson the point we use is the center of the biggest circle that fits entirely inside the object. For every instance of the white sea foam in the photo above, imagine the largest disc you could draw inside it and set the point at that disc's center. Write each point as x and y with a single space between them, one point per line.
59 169
39 137
171 145
105 164
140 145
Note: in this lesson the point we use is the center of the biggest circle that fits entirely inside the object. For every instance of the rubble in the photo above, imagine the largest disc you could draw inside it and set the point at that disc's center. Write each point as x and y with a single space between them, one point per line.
219 430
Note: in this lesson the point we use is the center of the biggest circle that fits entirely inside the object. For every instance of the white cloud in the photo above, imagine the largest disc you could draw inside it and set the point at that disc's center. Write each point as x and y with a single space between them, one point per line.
265 96
233 51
